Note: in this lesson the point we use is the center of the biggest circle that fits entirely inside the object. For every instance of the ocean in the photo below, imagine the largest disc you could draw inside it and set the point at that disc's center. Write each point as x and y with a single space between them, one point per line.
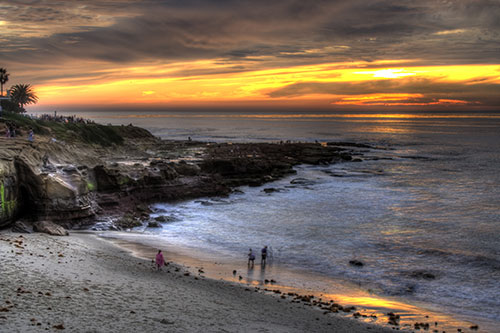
421 211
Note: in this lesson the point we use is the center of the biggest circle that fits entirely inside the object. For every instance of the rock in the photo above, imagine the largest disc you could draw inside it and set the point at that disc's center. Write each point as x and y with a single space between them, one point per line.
128 221
160 218
350 144
50 228
154 224
356 263
70 169
143 208
422 275
346 157
393 319
301 181
22 227
186 169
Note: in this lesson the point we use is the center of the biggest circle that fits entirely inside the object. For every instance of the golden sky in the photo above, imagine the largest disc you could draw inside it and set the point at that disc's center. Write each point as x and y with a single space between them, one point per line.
99 54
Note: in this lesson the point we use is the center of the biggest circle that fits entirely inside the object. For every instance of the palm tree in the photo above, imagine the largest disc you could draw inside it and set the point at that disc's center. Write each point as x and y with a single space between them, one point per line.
4 77
23 94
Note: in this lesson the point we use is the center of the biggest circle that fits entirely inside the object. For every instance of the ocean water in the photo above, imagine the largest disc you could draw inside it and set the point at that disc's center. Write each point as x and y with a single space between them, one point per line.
422 211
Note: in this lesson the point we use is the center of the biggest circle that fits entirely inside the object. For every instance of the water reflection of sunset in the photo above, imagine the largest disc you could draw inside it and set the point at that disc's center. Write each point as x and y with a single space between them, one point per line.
376 116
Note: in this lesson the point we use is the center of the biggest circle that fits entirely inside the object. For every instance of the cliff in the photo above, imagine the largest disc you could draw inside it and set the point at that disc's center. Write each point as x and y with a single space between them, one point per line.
69 178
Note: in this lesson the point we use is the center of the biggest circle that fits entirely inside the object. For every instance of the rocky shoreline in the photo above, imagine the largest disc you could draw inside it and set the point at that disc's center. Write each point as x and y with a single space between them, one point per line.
75 184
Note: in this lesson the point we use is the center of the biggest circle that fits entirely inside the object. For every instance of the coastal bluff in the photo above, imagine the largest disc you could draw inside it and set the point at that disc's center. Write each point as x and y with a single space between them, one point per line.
73 182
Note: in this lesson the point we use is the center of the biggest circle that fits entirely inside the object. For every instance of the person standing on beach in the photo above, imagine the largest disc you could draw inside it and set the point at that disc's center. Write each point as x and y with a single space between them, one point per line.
160 261
263 253
251 257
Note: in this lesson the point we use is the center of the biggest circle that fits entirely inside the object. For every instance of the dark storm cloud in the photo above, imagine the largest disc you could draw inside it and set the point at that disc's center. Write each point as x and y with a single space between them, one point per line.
438 32
473 92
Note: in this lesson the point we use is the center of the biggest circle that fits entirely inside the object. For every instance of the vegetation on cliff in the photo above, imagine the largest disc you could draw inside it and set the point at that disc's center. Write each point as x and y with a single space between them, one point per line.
73 132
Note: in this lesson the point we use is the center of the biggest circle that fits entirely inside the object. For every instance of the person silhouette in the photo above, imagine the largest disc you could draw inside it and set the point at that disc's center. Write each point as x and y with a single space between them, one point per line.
160 261
263 253
251 257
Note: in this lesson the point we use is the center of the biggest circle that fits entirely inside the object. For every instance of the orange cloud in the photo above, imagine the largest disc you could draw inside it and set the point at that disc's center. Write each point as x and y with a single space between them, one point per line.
215 82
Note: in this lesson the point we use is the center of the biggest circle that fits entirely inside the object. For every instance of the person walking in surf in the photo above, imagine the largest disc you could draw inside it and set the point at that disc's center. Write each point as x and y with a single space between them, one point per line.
251 257
263 253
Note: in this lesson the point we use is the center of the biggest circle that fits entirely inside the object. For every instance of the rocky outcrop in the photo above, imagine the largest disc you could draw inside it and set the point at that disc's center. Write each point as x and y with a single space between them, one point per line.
70 183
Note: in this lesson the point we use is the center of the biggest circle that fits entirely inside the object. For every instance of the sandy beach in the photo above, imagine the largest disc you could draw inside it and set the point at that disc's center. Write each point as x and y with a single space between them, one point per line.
83 283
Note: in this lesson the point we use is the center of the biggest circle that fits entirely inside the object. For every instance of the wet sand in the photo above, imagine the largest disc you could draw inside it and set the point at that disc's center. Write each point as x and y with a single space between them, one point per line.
82 283
273 277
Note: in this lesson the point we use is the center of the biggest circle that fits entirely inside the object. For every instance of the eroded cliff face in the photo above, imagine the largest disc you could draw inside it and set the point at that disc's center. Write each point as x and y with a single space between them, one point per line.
8 191
34 186
71 183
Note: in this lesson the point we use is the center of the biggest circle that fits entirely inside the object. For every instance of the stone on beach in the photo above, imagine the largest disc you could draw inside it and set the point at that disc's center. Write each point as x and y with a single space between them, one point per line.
22 227
50 228
356 263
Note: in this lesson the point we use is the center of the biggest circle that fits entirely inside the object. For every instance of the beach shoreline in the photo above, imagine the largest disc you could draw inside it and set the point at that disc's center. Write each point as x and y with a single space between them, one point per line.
83 283
366 306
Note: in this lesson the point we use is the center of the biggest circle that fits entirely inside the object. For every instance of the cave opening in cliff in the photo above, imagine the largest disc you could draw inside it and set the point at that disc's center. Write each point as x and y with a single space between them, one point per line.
27 208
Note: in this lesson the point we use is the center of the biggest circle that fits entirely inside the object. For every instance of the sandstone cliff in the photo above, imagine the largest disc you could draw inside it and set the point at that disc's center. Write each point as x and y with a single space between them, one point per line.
71 181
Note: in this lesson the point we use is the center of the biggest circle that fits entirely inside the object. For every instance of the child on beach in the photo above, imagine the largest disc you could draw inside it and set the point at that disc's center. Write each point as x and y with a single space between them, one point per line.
251 258
160 261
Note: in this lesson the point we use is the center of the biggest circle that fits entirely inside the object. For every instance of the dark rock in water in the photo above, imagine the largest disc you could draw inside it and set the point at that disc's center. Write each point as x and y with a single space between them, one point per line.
356 263
474 327
301 181
154 224
350 144
422 275
143 208
356 160
160 218
393 319
50 228
424 326
22 227
271 190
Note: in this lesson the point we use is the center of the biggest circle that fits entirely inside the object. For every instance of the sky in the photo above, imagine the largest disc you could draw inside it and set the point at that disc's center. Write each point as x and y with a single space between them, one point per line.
354 54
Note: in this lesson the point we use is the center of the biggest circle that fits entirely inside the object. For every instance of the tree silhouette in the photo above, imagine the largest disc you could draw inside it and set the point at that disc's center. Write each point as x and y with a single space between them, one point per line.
4 77
23 94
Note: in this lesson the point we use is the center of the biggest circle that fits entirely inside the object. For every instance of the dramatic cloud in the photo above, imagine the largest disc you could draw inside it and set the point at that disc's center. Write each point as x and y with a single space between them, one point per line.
46 41
404 91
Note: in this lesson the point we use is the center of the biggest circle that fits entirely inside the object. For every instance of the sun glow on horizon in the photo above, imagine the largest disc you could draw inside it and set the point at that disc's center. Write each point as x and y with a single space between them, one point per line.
214 81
